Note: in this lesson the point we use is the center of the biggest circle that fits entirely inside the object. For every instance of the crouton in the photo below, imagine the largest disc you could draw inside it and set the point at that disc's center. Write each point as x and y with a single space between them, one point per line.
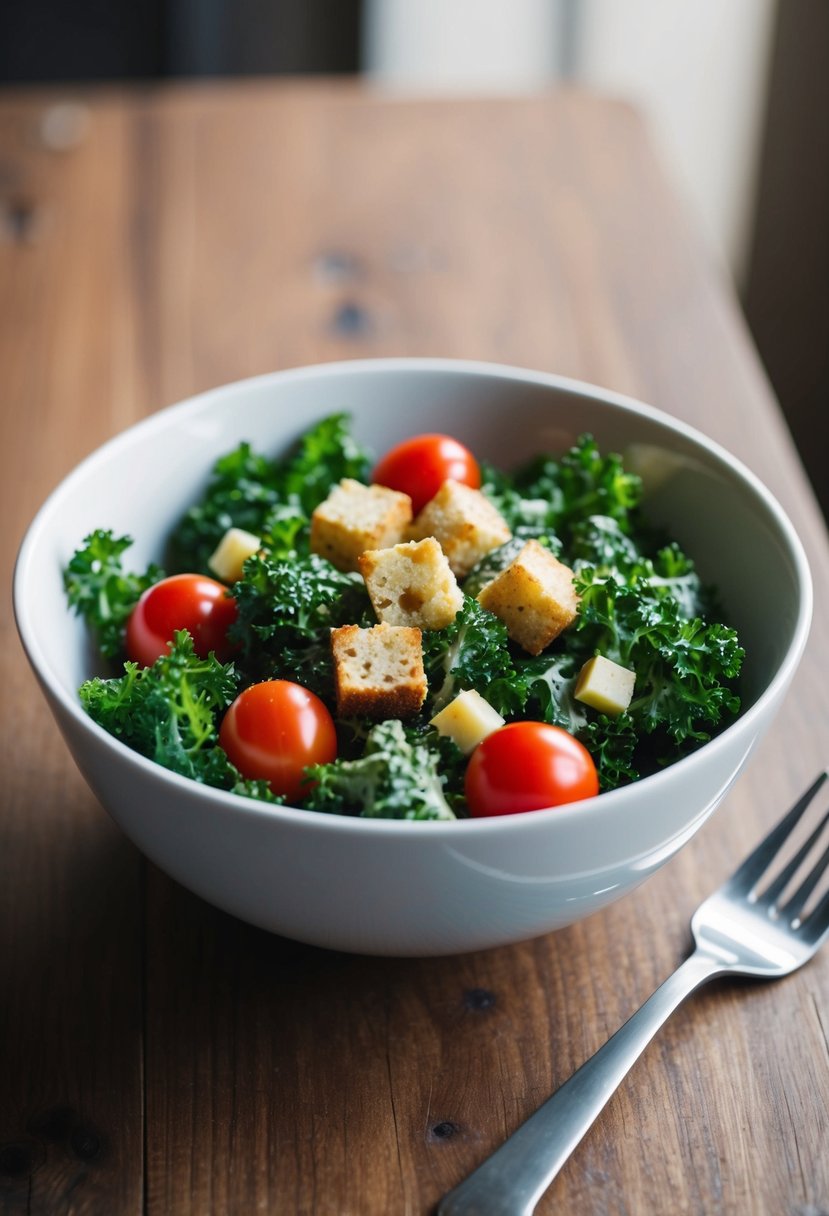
464 522
379 671
534 597
354 518
412 584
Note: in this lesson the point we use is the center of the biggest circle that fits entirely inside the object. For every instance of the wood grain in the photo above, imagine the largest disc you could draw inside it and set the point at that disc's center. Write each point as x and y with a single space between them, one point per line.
71 931
205 234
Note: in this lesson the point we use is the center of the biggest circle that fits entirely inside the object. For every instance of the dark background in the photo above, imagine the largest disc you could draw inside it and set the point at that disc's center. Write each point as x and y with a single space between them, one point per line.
74 40
786 290
786 293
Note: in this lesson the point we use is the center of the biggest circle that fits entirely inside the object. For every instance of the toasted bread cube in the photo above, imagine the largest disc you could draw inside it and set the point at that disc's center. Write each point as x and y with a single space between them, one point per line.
231 553
464 522
354 518
412 584
605 685
534 597
467 720
379 671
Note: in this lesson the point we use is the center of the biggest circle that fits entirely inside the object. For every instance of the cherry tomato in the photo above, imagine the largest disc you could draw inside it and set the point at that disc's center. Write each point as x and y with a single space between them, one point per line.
273 730
184 601
419 467
527 766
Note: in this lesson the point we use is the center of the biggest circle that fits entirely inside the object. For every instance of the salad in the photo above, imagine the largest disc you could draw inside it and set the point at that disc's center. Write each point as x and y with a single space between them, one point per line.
552 646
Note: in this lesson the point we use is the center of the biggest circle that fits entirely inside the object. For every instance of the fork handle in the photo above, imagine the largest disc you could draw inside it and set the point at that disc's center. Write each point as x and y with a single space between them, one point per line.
513 1179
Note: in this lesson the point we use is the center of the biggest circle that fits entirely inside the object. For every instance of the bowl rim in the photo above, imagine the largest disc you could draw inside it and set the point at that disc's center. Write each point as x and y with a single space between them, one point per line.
611 802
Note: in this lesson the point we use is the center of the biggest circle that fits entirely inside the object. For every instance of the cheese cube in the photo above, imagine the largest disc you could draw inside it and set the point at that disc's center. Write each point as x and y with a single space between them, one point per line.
467 720
605 685
231 553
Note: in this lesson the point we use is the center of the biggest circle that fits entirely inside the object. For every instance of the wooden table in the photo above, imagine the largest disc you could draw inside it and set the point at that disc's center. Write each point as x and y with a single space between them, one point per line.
160 1057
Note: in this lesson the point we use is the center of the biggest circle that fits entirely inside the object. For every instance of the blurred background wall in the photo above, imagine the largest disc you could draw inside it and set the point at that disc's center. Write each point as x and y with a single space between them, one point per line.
698 69
735 91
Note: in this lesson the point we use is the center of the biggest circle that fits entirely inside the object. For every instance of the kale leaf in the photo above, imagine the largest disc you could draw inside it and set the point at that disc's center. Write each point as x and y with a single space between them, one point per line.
602 542
101 591
285 609
243 490
551 681
612 742
614 745
581 483
550 498
170 712
472 652
396 778
526 516
284 532
673 572
647 615
685 668
270 498
327 453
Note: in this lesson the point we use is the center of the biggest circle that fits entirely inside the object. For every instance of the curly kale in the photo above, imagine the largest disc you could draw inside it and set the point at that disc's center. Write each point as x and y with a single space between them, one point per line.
170 713
263 496
648 615
326 454
285 609
242 492
550 496
579 484
601 542
613 744
673 573
472 652
550 679
527 516
102 592
685 668
285 531
642 605
397 777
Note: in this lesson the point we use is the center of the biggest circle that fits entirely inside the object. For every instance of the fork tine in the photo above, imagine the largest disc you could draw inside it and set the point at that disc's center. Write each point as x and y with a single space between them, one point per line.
794 906
816 925
755 865
776 888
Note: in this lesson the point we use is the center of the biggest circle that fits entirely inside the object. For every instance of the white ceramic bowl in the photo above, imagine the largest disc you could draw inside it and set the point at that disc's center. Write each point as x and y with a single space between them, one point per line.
403 888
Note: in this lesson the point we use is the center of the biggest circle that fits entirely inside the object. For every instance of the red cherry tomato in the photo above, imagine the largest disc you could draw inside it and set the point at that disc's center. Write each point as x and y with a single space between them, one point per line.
419 467
527 766
184 601
273 730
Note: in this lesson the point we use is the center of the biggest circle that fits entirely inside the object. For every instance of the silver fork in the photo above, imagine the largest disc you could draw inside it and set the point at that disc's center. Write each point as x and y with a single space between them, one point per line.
739 930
